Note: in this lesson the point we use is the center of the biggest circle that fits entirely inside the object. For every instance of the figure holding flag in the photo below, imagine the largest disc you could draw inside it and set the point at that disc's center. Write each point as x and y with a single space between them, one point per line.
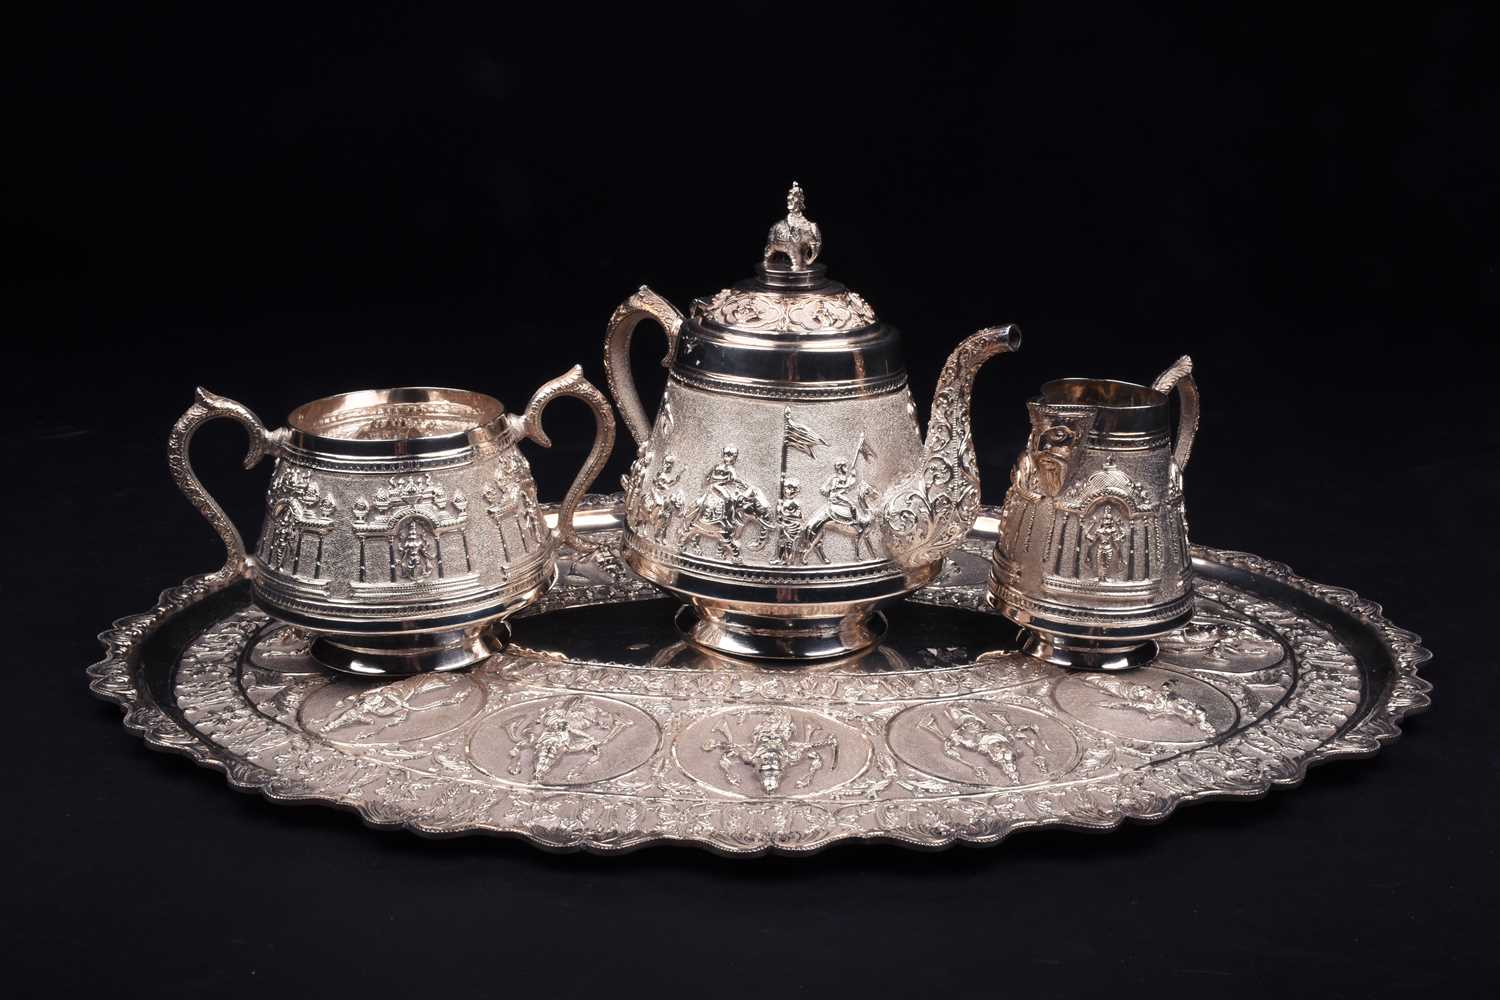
847 509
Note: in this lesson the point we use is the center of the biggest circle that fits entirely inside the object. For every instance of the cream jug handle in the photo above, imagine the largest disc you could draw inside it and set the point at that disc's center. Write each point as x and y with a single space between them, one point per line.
262 442
644 304
1180 377
573 384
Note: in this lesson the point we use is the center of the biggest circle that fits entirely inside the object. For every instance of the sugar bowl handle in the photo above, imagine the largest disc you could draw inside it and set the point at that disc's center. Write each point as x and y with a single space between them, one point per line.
644 304
210 407
1180 377
573 384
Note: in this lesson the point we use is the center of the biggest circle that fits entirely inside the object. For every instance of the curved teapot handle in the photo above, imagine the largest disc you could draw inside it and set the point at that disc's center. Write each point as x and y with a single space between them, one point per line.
1180 377
644 304
210 407
573 384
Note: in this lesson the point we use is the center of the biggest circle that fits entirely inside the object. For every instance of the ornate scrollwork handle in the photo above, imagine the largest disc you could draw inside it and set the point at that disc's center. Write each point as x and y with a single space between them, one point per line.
574 384
644 304
1180 377
262 442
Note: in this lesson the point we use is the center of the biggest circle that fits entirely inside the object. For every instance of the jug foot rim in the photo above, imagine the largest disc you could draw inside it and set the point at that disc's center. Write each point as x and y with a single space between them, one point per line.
1087 654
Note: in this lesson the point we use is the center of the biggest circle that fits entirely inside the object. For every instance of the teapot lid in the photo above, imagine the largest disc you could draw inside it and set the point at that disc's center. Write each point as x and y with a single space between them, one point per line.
791 324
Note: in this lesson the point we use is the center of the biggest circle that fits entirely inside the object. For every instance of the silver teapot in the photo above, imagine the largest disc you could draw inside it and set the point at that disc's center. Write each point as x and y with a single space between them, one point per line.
783 490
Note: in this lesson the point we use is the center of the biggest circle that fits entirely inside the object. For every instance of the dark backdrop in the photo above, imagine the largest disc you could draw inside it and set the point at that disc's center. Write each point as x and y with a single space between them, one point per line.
284 203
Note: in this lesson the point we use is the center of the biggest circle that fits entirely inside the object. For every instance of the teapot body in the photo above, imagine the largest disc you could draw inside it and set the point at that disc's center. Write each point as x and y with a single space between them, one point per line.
772 499
758 490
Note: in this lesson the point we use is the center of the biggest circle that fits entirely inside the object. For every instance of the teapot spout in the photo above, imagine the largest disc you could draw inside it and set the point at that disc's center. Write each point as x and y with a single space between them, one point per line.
926 518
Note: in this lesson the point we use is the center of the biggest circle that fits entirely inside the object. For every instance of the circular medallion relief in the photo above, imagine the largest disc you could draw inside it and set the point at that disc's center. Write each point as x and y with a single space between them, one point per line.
983 742
763 751
413 708
571 739
1150 704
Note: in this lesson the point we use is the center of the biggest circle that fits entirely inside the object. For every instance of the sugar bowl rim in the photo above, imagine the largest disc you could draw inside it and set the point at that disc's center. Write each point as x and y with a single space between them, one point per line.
478 418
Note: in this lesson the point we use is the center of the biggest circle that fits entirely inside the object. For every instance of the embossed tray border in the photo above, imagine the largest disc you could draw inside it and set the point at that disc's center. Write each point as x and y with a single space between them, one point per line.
118 678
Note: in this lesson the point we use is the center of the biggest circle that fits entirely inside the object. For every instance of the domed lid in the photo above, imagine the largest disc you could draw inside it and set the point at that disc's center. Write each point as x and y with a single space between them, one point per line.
791 325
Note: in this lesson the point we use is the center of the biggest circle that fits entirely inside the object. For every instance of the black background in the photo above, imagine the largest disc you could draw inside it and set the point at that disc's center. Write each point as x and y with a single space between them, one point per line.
284 203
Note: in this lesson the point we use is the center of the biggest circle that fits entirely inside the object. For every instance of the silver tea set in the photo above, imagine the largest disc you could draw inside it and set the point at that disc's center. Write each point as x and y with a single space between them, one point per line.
783 492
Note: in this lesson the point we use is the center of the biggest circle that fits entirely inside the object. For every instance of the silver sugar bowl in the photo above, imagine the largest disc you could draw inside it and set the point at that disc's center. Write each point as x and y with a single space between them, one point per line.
783 490
401 525
1092 557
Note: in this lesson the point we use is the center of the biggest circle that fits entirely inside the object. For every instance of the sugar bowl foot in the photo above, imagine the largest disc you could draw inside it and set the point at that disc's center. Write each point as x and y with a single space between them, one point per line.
758 637
404 655
1087 654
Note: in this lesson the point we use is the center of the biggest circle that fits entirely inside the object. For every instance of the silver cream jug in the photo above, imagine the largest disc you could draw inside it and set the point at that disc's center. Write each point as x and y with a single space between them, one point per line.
783 490
1092 557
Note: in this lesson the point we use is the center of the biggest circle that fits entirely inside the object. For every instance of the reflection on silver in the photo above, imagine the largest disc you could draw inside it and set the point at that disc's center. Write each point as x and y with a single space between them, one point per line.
944 733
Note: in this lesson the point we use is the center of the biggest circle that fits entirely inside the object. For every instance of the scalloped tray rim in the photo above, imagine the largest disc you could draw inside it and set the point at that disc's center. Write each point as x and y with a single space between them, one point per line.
143 716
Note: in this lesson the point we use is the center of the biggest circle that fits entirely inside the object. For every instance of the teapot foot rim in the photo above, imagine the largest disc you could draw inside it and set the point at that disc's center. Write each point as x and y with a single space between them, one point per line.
789 641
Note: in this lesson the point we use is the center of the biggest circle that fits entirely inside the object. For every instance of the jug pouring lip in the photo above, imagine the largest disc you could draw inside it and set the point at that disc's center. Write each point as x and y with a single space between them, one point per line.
1101 394
404 421
1124 413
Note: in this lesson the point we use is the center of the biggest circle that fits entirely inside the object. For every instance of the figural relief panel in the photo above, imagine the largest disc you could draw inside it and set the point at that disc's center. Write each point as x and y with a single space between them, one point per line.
570 740
983 743
413 708
510 502
299 517
1149 704
782 486
772 750
412 532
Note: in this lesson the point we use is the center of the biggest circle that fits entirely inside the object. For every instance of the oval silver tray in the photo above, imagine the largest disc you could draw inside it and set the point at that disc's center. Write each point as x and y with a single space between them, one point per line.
599 729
